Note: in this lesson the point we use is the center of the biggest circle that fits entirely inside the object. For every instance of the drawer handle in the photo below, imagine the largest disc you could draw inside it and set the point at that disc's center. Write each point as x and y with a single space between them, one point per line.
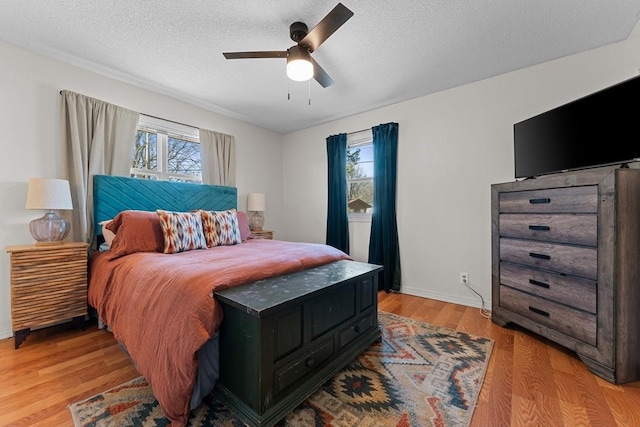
539 227
310 362
540 200
357 329
541 284
539 256
538 311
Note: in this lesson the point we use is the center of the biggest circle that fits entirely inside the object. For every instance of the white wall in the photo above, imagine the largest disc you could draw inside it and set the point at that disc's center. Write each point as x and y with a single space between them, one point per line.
30 102
452 146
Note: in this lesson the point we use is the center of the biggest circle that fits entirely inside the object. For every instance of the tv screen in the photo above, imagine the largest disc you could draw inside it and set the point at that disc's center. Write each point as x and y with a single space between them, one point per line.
599 129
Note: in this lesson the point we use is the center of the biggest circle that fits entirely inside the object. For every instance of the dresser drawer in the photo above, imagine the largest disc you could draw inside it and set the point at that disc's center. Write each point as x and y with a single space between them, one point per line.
303 365
562 228
356 329
569 321
566 259
553 200
571 291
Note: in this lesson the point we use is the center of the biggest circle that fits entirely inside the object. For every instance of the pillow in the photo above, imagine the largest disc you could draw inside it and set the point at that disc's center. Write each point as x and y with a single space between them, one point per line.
182 231
135 231
243 225
106 233
221 227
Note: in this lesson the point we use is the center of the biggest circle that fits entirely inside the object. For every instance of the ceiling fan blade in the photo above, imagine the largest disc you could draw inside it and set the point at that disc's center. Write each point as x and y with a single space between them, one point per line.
260 54
321 75
327 26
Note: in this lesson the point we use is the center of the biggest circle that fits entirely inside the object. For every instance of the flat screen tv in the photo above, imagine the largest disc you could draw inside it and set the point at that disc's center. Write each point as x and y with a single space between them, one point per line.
597 130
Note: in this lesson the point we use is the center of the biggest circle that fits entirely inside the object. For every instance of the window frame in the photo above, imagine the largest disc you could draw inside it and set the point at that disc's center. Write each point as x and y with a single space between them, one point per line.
356 140
165 129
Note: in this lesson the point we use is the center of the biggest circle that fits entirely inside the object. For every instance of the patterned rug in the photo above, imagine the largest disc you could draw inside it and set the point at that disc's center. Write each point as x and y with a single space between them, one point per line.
418 375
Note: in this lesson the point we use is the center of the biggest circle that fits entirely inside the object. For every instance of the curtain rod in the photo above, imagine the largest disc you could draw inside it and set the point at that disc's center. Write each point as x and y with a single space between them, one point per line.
358 131
156 117
172 121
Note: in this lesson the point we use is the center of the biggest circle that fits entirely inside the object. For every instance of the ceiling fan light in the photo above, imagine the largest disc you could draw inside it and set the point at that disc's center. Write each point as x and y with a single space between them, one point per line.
299 65
299 70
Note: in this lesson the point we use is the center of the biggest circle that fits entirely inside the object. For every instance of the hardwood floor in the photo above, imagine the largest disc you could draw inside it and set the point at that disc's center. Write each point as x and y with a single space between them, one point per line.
529 382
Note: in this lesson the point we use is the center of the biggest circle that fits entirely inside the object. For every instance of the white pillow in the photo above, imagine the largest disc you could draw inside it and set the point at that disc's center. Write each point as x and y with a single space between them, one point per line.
107 234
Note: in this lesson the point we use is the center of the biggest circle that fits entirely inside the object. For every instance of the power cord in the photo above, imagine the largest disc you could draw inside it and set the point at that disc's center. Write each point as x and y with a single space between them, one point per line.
483 310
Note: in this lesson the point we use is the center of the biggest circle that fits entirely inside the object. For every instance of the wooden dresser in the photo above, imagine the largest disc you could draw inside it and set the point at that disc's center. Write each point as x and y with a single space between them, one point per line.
286 336
48 285
566 264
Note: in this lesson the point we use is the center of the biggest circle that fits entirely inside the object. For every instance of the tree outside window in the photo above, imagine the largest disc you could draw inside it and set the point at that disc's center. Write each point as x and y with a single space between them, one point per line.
360 178
166 157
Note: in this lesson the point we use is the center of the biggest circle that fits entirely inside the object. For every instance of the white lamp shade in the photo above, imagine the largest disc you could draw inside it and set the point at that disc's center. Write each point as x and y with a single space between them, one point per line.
299 70
256 202
299 65
49 194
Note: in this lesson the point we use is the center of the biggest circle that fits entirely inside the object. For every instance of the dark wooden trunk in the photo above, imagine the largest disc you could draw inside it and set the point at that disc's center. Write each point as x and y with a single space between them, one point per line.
284 337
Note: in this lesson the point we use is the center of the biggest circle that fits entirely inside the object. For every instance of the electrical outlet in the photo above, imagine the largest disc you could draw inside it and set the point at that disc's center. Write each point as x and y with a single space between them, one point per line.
464 278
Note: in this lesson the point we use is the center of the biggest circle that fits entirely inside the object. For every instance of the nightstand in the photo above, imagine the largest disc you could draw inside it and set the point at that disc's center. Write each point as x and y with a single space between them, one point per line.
48 285
262 234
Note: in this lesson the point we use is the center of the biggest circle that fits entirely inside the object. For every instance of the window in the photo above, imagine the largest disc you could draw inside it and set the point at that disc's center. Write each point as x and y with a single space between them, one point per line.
166 151
360 175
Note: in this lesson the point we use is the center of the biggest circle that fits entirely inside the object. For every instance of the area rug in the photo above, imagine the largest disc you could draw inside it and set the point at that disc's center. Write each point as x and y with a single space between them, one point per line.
418 375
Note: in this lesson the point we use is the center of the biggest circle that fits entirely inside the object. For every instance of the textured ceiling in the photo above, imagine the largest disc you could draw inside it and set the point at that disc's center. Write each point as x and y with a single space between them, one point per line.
386 53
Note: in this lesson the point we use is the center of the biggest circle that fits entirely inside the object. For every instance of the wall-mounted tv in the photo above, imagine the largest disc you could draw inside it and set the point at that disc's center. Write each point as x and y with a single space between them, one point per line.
599 129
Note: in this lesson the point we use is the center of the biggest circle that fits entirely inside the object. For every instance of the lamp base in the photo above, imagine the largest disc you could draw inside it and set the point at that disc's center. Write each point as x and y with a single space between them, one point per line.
257 221
50 229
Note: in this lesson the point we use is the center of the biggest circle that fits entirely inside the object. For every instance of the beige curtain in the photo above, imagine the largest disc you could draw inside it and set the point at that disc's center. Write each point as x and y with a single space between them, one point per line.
218 158
98 138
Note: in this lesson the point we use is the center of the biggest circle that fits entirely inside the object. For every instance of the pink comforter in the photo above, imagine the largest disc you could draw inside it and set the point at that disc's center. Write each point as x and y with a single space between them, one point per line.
161 306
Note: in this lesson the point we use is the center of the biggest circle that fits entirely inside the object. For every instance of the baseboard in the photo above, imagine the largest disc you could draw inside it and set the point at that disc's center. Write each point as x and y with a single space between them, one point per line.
472 301
5 333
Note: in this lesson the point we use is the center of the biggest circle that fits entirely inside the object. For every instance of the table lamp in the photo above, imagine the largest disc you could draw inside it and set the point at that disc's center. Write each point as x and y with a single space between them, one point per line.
256 202
49 194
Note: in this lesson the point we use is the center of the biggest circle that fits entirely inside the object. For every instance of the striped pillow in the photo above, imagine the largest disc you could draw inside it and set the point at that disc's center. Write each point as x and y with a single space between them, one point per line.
221 228
182 231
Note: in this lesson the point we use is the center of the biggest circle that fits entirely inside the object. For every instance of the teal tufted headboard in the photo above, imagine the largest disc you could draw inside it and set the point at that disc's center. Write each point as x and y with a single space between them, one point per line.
114 194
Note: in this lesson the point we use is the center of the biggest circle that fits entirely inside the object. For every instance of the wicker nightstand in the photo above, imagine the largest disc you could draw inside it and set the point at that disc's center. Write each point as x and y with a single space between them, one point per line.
262 234
48 285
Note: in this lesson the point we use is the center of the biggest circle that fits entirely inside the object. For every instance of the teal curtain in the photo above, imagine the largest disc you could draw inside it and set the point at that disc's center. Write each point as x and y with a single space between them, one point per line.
337 216
384 248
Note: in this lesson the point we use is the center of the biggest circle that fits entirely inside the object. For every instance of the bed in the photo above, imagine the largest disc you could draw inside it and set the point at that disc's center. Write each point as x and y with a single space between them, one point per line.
161 306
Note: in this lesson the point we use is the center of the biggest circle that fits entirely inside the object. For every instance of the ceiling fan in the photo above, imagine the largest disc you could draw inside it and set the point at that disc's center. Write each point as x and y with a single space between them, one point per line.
300 64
